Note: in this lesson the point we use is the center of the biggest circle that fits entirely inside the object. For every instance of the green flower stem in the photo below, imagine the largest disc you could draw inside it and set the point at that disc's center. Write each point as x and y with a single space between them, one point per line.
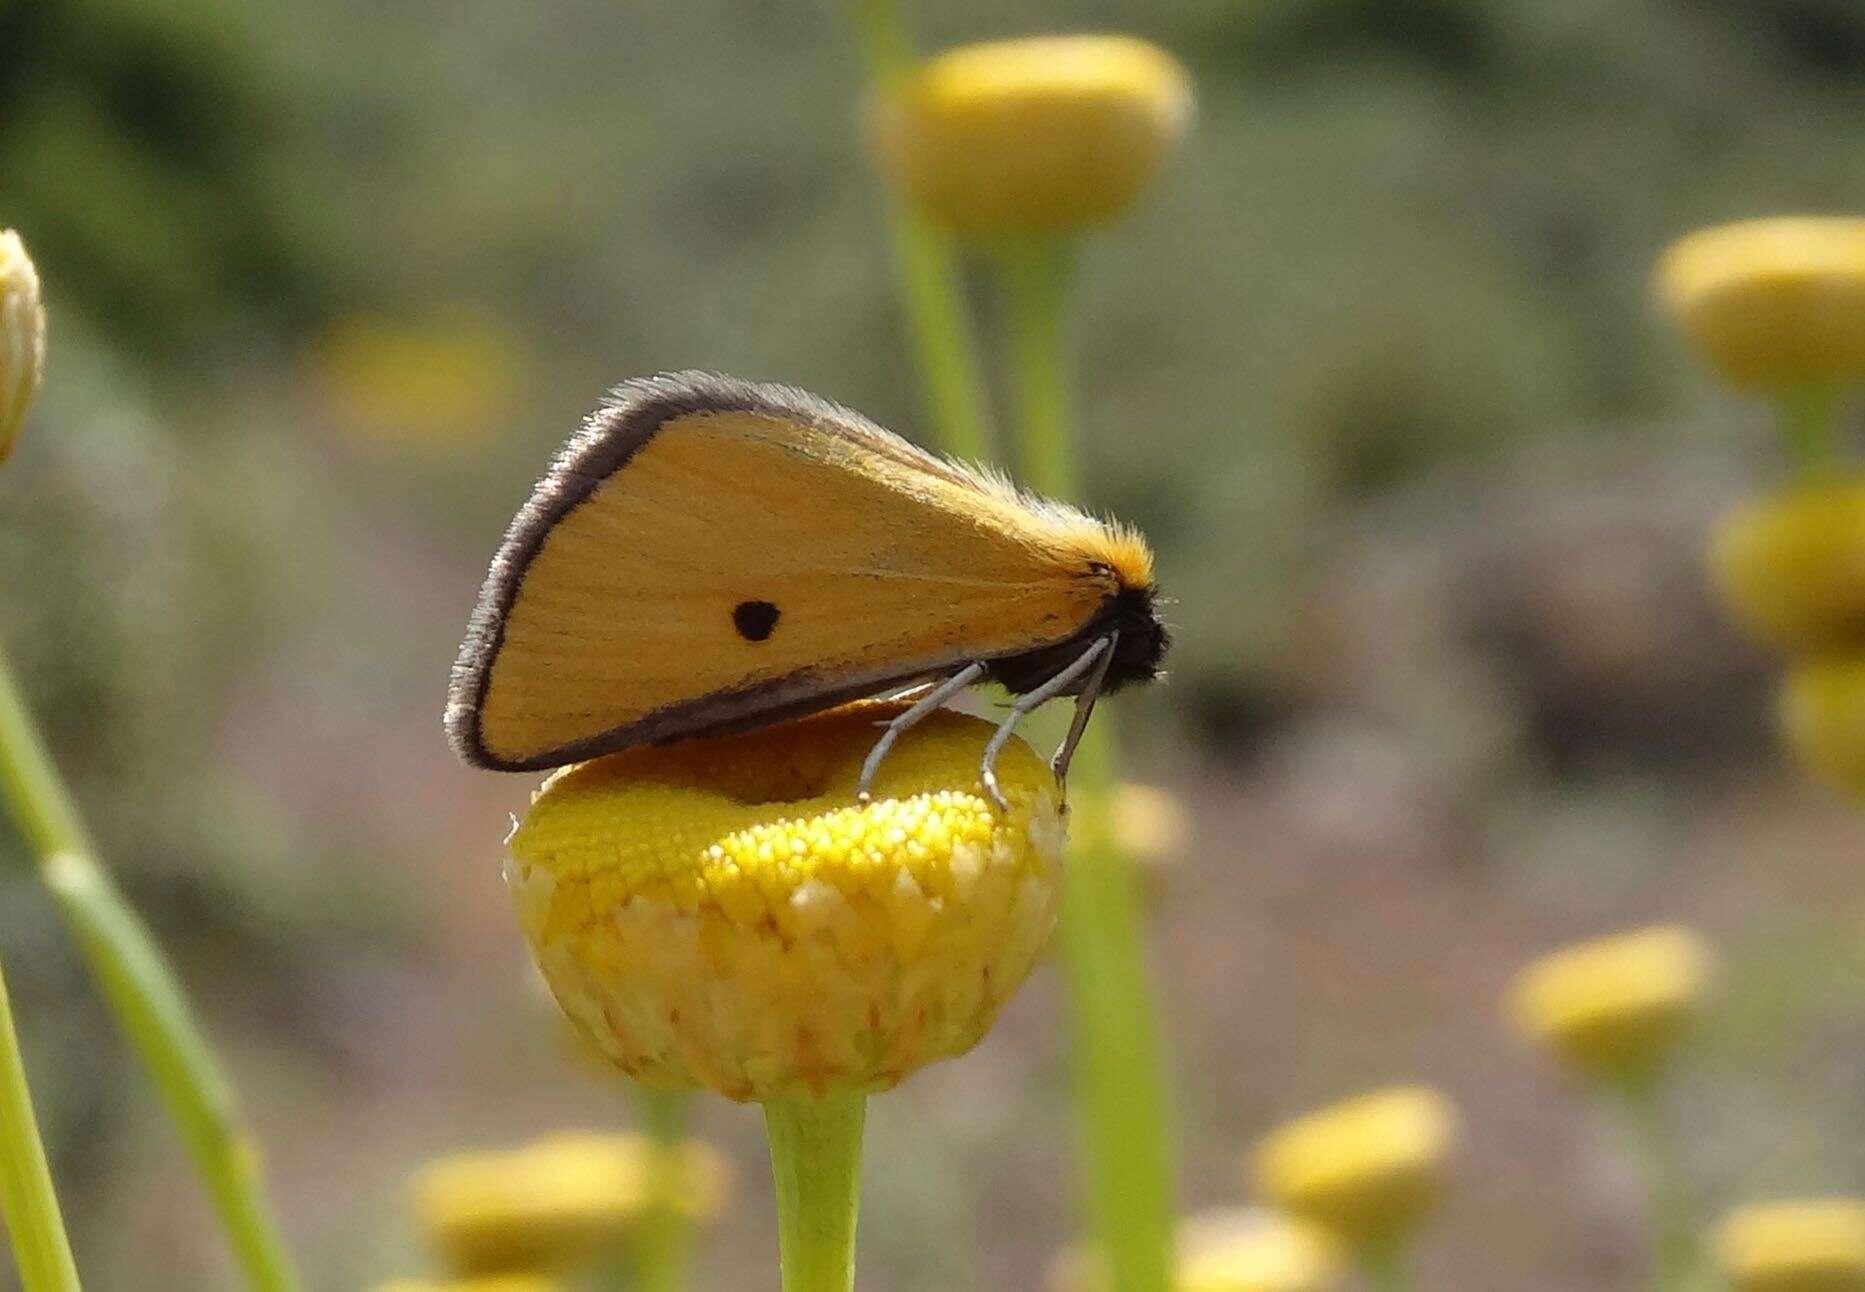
1810 425
663 1250
816 1166
1119 1059
926 269
143 994
1674 1256
886 46
1037 274
41 1251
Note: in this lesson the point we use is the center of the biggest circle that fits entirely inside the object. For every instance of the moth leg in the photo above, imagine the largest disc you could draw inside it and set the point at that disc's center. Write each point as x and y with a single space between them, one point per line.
1084 706
1024 706
908 719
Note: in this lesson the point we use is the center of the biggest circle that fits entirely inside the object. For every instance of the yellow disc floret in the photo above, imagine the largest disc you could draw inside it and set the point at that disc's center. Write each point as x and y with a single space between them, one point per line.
554 1204
724 914
1821 712
1040 135
1791 567
1795 1245
1775 304
1366 1169
1616 1007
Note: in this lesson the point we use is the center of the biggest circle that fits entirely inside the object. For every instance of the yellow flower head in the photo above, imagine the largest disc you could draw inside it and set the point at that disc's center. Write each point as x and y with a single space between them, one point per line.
722 913
1615 1007
552 1204
1366 1169
1796 1245
1791 567
1048 134
1821 712
1228 1249
492 1283
22 337
446 380
1774 303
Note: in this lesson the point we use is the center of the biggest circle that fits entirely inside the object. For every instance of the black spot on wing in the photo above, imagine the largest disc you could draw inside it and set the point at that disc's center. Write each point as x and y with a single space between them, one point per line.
755 620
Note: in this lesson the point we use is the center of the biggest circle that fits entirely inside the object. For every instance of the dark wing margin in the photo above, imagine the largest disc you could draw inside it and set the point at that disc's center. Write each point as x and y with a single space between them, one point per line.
627 419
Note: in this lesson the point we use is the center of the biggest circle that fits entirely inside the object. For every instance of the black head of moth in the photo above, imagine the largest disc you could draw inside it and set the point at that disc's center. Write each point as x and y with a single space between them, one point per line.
755 619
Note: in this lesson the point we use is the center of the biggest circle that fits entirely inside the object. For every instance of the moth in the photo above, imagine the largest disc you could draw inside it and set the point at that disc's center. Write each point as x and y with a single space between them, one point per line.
708 555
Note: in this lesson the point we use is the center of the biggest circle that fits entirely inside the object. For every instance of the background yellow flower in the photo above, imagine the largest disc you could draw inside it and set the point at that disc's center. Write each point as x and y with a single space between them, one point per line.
1615 1006
1790 566
1039 135
441 381
1774 303
1248 1249
1226 1249
1367 1169
1821 711
556 1203
1794 1245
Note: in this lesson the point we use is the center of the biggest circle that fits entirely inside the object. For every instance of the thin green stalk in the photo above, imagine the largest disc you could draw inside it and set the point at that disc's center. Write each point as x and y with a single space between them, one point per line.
663 1249
927 265
142 992
1118 1055
41 1251
927 269
886 45
1037 274
1810 425
1674 1256
816 1167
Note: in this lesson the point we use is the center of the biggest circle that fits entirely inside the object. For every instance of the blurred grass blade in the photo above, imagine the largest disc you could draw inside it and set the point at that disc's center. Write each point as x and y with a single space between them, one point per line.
143 994
1119 1058
41 1251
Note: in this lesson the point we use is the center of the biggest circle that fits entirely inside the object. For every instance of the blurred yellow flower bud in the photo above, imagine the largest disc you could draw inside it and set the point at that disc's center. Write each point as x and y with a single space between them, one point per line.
1796 1245
1227 1249
1149 822
1616 1007
492 1283
1776 303
1821 712
1249 1249
554 1204
22 337
444 380
1791 567
723 913
1367 1169
1049 134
